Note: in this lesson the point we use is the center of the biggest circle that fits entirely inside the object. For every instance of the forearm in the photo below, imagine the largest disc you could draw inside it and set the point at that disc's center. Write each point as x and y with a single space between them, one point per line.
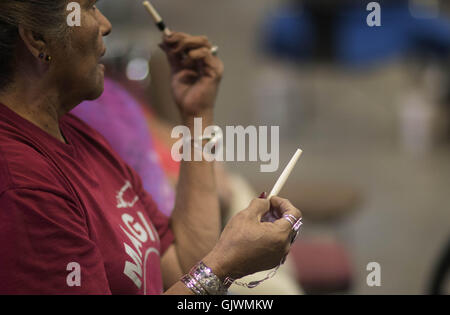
172 271
196 217
179 288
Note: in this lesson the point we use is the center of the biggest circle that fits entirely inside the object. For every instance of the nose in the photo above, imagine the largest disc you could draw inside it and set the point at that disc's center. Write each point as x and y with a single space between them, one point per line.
105 24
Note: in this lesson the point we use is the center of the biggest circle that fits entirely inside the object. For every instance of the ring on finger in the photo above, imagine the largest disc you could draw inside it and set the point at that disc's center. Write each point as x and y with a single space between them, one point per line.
291 219
215 50
295 230
297 225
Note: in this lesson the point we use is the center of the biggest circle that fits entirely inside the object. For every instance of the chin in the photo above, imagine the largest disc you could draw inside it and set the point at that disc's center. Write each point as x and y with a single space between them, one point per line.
97 91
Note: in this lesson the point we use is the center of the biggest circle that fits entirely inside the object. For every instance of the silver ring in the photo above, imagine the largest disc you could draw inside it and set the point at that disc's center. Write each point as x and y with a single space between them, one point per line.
291 219
295 229
297 225
215 50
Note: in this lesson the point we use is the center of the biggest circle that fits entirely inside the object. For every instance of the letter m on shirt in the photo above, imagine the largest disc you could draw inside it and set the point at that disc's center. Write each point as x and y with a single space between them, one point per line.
133 270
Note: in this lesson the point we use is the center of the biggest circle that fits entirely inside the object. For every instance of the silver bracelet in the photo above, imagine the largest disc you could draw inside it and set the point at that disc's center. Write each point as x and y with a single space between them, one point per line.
192 284
215 138
208 280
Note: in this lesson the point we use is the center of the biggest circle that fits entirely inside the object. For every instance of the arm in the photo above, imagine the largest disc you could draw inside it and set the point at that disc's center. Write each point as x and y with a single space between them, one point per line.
247 245
196 217
195 220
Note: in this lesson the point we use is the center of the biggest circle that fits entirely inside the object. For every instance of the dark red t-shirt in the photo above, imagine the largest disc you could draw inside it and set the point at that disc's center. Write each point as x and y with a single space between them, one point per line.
74 217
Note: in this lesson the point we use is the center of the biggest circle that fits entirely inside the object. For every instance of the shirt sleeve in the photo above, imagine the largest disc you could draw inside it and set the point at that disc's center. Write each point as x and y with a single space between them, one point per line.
45 247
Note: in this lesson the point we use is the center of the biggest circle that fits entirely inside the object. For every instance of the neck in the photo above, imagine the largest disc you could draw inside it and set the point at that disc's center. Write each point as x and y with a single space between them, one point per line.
37 104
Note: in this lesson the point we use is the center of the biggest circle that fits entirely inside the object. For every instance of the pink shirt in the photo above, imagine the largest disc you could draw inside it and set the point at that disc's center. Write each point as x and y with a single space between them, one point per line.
74 218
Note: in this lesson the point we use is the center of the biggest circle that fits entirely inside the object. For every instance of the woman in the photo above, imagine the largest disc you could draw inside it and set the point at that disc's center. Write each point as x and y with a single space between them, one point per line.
73 216
121 119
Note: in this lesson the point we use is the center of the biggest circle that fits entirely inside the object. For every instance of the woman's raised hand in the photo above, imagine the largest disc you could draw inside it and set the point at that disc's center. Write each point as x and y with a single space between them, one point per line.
196 73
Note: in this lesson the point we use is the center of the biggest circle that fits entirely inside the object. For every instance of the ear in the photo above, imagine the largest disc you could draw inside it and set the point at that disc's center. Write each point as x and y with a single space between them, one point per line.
33 41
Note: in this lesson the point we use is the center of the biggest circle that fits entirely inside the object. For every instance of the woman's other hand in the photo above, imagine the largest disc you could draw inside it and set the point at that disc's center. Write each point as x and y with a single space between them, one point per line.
248 245
196 73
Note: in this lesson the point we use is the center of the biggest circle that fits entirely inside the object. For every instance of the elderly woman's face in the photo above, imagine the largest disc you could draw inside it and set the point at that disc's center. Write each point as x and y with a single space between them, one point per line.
78 63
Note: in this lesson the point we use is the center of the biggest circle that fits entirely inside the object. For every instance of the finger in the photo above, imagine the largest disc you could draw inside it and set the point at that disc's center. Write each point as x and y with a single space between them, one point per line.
201 54
201 57
204 62
183 41
177 37
258 207
204 56
284 225
174 37
192 43
284 206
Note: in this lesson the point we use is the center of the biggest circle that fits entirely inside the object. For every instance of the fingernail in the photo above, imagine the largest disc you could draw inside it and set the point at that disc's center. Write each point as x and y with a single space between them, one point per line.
263 195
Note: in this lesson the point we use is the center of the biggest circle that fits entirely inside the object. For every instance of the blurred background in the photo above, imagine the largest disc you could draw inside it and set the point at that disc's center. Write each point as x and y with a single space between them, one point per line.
369 106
